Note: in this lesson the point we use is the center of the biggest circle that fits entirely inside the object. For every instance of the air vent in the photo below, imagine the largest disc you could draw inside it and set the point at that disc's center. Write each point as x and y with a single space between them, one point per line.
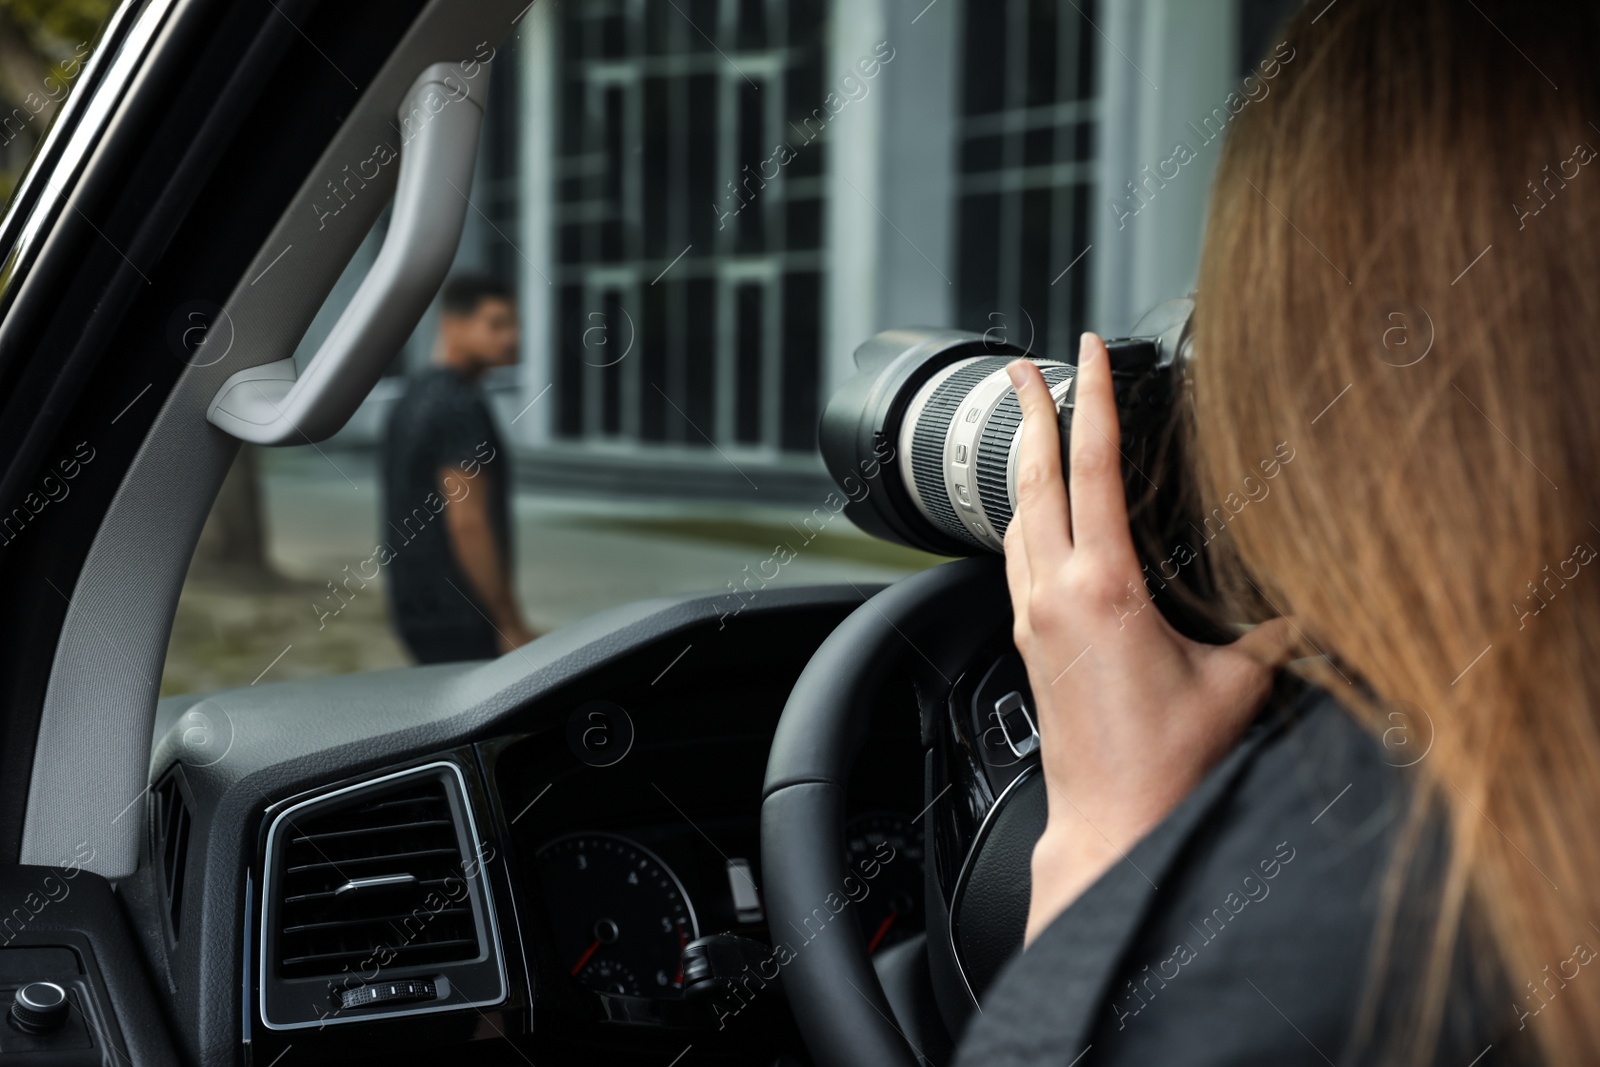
169 821
371 878
382 880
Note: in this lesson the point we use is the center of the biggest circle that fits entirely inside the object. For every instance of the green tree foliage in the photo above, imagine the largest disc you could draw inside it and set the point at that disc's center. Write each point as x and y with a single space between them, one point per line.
41 43
53 25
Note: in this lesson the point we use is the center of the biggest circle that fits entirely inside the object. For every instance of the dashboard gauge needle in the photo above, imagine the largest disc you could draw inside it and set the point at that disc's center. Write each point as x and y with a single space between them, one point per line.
590 951
877 938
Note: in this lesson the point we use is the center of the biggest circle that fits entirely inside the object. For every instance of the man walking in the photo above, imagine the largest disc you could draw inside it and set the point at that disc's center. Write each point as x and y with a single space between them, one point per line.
447 488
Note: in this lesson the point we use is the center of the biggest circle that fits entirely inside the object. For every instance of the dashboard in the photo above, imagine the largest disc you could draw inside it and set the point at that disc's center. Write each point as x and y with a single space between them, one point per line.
503 862
633 825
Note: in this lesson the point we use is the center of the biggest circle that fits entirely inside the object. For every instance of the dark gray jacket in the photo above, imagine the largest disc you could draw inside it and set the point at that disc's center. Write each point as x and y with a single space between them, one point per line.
1241 930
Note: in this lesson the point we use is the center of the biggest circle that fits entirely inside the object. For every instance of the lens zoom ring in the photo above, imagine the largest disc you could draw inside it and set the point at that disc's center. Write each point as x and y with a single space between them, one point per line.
927 443
994 448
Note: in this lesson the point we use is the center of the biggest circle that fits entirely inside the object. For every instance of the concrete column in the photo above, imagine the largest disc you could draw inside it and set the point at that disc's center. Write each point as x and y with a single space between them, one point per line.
918 148
1163 65
852 240
537 298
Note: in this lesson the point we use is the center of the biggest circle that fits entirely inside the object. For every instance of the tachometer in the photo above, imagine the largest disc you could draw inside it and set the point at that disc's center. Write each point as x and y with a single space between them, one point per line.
619 915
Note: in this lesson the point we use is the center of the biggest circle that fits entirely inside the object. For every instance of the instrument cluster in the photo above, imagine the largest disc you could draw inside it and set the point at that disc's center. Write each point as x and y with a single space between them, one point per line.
619 912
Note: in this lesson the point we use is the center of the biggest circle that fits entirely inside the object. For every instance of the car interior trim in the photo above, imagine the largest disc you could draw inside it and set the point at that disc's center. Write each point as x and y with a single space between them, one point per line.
966 868
99 707
494 946
73 137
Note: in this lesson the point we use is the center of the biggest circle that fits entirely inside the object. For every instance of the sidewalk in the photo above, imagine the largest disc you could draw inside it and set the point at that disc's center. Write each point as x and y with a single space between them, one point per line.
575 556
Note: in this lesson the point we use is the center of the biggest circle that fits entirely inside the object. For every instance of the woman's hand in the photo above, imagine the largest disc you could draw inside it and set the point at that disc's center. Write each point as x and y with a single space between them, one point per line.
1131 714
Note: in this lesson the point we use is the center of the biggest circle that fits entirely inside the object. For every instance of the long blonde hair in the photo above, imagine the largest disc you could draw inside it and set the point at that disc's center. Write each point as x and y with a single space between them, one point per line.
1401 280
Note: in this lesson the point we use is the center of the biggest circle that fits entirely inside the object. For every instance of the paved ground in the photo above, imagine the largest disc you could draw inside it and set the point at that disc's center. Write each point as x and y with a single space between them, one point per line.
575 556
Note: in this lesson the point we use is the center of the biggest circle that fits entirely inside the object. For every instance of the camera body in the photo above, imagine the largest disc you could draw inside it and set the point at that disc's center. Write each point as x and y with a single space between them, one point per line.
935 412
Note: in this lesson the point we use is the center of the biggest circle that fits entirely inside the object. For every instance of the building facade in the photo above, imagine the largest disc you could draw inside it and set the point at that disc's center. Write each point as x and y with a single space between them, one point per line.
706 205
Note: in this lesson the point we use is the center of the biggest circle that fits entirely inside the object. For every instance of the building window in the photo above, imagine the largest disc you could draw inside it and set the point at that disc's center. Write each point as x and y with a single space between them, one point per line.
682 229
497 185
1026 143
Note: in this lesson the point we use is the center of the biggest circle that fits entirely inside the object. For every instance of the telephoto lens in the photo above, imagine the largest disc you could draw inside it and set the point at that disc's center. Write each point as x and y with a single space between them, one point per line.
933 414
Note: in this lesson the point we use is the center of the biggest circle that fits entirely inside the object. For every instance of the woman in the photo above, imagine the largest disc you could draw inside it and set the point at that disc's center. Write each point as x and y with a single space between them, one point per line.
1399 284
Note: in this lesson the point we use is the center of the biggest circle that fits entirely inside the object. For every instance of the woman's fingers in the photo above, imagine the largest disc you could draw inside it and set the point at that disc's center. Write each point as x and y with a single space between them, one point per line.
1272 644
1099 509
1017 576
1041 488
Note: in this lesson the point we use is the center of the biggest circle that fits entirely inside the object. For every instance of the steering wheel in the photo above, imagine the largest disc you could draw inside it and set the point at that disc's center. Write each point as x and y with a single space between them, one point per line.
937 626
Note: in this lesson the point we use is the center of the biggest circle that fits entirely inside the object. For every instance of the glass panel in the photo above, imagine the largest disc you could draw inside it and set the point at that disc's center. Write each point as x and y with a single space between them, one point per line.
1026 147
674 200
45 44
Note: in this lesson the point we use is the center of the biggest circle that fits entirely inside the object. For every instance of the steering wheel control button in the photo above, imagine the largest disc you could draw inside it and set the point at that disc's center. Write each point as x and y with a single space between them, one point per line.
386 994
40 1008
1016 723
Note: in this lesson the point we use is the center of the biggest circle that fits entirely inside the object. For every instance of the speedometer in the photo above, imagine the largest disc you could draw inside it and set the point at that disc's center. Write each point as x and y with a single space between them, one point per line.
618 914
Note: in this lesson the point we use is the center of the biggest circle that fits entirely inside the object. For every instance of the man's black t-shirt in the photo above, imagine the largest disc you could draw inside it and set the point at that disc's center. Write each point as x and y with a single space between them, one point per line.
442 421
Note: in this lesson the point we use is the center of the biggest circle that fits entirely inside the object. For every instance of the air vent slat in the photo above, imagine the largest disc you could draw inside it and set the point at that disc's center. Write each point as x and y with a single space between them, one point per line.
424 883
437 952
396 828
397 859
407 827
399 917
170 846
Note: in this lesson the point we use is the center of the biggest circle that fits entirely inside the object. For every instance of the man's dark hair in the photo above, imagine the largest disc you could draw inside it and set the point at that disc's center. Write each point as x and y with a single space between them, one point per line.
462 294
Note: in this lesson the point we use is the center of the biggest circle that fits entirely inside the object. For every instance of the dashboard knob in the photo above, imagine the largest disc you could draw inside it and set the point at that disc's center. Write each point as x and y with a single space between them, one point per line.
39 1007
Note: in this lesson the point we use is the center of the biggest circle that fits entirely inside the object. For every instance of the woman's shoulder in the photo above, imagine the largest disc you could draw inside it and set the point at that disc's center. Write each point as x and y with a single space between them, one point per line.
1242 929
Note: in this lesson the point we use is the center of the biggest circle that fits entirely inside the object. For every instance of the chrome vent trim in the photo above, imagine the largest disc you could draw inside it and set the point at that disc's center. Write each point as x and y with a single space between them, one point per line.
491 949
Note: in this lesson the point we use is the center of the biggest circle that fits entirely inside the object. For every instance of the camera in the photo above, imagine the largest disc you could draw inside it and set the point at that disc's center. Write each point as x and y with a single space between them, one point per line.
936 411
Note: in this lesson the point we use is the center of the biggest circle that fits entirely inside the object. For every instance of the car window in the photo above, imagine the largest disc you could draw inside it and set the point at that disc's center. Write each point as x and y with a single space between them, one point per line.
696 211
45 44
